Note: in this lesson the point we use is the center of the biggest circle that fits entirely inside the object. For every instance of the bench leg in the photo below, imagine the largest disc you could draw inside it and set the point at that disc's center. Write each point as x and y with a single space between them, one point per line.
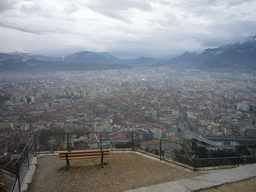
102 159
67 161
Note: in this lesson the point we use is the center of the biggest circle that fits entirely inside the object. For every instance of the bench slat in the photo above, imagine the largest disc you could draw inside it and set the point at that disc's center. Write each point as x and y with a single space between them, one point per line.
79 155
91 151
78 152
85 153
95 151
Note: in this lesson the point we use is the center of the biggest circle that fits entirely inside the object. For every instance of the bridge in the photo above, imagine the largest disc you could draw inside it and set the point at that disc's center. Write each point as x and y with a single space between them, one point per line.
244 139
207 141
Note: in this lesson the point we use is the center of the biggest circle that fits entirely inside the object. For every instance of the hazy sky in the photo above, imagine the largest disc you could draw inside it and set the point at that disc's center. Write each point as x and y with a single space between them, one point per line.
124 28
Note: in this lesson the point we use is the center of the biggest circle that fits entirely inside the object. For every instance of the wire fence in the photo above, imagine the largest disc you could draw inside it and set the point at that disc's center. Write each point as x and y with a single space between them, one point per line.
23 163
169 149
55 141
198 156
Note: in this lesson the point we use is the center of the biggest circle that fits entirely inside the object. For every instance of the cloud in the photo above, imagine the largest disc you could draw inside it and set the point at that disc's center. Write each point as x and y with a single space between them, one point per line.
6 5
115 5
238 2
30 8
139 27
116 10
72 7
37 30
22 29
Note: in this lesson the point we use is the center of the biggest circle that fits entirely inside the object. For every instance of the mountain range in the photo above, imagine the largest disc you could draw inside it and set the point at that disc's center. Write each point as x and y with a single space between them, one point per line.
238 56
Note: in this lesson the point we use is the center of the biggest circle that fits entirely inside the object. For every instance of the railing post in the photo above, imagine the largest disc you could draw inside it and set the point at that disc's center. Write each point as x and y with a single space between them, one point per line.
35 143
160 148
100 142
239 159
18 176
68 142
195 160
132 142
28 158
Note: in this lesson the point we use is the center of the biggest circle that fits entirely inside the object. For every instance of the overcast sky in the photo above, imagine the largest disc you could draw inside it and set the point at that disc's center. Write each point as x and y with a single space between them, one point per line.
124 28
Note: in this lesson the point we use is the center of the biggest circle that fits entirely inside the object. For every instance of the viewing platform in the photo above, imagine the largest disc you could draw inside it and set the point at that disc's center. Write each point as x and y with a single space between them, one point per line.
132 163
132 172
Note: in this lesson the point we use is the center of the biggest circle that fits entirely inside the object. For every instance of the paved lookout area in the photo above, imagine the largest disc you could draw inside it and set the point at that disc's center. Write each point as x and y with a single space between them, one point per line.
204 181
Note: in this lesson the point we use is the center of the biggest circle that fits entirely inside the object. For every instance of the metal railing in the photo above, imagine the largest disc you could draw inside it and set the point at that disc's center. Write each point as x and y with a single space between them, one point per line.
23 163
197 156
164 149
56 141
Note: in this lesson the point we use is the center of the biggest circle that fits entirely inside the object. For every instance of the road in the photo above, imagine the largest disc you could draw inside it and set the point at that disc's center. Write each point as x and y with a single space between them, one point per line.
188 128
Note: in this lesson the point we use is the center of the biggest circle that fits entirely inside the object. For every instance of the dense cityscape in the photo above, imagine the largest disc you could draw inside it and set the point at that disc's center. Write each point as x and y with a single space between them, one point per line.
159 102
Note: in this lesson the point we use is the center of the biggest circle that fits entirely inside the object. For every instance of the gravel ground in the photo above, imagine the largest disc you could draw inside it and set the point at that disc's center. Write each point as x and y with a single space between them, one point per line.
124 171
246 185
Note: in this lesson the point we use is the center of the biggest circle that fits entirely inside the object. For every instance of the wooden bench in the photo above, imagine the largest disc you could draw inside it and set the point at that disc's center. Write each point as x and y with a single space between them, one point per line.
75 155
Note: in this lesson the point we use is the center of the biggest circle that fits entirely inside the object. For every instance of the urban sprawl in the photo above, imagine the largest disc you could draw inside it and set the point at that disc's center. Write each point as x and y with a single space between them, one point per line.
159 102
